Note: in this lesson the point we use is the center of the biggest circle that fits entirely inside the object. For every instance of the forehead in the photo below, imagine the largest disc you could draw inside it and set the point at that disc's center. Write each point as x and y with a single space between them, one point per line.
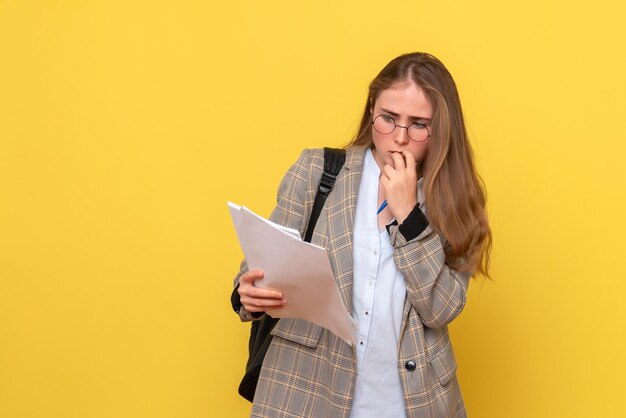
405 98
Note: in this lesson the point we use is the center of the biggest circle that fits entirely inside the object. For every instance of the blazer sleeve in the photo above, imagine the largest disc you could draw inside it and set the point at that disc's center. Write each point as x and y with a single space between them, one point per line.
290 206
436 291
291 199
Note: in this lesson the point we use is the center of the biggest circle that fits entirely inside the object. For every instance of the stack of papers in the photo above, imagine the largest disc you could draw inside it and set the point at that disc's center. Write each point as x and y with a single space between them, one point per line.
300 270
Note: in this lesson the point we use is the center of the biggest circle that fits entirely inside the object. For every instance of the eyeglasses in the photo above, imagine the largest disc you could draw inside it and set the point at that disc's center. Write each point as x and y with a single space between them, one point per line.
385 124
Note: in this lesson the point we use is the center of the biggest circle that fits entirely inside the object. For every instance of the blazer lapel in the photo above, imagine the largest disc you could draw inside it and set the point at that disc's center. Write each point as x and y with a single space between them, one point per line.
340 224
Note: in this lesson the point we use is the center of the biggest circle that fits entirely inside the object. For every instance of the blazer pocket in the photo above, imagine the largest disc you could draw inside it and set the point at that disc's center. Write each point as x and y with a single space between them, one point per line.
298 331
444 364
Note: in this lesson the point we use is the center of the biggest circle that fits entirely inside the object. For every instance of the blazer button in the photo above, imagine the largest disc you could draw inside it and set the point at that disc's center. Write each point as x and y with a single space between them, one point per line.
410 365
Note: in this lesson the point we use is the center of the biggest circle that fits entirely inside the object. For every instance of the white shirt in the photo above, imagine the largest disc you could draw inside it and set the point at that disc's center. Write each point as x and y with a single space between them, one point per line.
378 299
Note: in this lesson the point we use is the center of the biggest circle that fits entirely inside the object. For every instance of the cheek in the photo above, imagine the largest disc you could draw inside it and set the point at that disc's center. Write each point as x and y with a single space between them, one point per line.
376 138
380 144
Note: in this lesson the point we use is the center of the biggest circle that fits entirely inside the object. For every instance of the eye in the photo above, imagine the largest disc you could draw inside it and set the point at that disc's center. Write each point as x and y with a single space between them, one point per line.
387 118
418 125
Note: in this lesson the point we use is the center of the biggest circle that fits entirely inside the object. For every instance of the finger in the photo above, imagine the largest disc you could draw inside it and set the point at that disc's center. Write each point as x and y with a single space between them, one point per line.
250 276
247 287
260 304
388 171
398 160
409 158
257 305
258 292
253 308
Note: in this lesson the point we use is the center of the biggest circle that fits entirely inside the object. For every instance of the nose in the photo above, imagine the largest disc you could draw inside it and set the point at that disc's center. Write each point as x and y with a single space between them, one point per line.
401 135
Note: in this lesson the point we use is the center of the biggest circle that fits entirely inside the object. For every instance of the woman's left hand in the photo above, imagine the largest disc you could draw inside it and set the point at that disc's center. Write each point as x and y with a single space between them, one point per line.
399 183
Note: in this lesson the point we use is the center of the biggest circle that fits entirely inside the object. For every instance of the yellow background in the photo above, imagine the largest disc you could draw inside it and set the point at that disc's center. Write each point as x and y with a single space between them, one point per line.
125 126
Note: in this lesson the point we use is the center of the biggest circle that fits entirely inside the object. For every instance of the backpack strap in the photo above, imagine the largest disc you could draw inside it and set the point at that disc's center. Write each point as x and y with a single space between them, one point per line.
334 158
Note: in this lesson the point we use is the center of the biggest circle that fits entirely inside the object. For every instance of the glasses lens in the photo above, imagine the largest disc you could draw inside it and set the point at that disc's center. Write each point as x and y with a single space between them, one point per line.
418 132
384 124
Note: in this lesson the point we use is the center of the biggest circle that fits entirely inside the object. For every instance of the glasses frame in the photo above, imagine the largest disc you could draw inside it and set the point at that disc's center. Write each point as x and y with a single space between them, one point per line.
400 126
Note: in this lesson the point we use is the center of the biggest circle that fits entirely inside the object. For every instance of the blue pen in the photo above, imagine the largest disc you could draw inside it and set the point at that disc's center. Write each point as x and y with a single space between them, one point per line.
382 206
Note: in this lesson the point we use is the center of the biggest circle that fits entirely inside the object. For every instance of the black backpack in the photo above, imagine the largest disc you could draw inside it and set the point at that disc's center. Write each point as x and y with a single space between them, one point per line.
260 337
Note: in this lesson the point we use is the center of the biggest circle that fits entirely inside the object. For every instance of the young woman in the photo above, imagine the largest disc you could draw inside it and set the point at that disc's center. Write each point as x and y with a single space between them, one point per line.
405 228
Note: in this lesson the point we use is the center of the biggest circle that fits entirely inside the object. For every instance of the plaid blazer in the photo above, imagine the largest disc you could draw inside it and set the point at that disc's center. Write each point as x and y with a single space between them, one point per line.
308 371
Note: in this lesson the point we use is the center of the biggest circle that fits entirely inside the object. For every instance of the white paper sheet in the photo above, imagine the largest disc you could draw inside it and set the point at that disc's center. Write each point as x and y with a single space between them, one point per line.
300 270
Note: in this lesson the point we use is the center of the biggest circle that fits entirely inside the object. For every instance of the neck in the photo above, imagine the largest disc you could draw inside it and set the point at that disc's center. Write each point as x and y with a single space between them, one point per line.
378 159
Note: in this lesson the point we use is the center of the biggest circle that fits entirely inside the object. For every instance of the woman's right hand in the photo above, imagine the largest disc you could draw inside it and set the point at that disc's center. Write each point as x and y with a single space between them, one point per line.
255 299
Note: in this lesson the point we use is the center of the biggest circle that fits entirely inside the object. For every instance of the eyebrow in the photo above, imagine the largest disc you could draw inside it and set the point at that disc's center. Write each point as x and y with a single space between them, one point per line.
411 117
